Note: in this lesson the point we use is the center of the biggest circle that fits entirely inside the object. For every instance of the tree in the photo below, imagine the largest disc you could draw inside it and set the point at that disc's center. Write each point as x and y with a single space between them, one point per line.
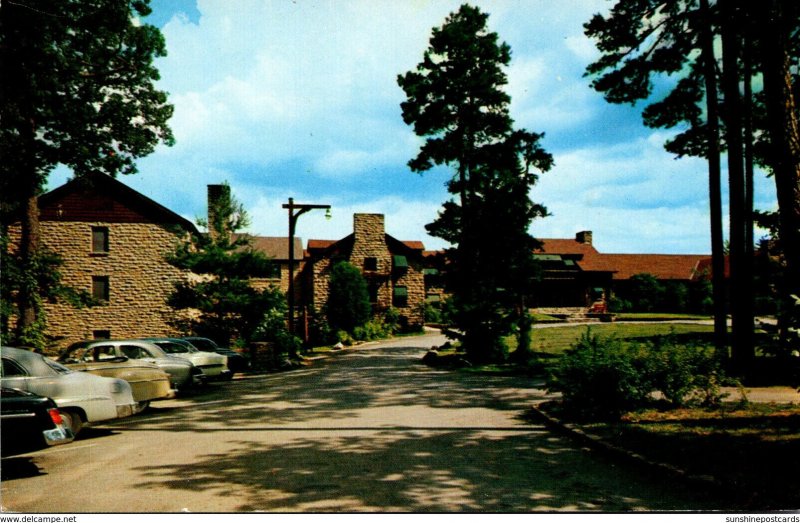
348 303
641 41
220 300
455 99
77 89
777 22
46 275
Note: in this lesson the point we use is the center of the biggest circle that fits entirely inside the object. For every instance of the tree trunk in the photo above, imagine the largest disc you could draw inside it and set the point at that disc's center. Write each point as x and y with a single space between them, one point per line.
742 350
29 249
714 187
784 140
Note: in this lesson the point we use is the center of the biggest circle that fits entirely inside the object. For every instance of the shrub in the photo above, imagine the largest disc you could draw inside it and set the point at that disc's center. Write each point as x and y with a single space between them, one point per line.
391 320
431 312
601 377
344 338
286 343
348 304
684 373
605 377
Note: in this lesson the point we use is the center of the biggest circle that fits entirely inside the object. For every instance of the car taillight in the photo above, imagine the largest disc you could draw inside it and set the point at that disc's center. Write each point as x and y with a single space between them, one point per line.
55 416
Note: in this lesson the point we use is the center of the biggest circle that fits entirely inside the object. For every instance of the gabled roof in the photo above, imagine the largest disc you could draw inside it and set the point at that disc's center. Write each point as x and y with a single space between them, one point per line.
99 197
319 246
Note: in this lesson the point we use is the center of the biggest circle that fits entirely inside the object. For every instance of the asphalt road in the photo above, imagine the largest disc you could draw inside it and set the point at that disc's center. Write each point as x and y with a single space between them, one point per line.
364 430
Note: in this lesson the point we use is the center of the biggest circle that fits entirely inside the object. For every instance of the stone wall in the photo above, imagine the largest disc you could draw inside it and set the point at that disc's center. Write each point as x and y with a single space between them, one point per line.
139 280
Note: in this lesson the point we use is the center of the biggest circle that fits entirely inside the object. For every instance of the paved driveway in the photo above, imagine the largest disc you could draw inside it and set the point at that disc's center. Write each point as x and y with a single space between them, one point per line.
365 430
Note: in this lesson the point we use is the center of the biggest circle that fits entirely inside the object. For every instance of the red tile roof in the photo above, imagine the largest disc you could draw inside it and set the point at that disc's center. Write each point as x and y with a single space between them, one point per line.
662 266
566 246
320 244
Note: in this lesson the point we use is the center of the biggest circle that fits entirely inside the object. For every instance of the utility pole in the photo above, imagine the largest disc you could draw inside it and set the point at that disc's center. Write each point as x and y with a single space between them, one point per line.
295 211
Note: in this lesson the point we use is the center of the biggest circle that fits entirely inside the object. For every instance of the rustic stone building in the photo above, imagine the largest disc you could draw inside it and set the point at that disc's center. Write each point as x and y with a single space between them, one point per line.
393 268
113 242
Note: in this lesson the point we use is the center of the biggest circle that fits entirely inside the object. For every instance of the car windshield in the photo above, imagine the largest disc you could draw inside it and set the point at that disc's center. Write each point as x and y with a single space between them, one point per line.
56 366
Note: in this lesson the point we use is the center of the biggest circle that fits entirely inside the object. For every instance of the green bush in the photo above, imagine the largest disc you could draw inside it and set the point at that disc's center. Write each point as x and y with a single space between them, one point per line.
684 373
431 312
605 377
348 304
344 338
372 330
286 343
600 377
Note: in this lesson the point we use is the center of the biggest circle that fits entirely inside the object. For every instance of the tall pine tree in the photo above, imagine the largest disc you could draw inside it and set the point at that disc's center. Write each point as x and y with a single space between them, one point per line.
456 100
77 87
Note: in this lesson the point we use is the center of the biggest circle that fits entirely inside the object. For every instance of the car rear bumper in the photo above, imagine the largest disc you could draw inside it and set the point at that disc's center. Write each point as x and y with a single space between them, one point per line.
57 436
123 411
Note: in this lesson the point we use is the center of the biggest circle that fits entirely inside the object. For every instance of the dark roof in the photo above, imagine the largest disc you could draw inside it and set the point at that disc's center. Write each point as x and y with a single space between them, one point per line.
99 197
318 246
277 247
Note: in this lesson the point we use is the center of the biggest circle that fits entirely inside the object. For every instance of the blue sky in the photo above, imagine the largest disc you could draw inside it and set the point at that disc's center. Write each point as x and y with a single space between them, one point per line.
299 98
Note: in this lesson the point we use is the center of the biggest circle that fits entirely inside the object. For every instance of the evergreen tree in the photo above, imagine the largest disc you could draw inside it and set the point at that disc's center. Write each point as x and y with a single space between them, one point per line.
644 39
76 88
219 299
348 303
456 100
641 41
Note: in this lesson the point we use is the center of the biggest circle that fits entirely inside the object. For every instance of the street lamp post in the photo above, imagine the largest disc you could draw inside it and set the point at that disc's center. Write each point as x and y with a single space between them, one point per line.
295 210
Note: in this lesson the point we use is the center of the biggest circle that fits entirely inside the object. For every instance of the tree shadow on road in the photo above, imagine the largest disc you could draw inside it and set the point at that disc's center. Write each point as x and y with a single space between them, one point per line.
370 380
315 453
412 470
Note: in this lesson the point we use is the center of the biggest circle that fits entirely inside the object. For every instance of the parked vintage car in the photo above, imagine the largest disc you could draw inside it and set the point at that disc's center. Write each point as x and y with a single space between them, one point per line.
182 374
30 422
213 365
81 397
147 381
236 361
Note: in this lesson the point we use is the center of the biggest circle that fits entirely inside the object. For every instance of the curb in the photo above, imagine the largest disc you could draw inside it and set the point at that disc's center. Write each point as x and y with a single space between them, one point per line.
598 443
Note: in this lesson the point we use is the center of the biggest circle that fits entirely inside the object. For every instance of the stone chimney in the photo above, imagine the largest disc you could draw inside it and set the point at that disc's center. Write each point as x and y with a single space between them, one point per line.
369 244
584 237
217 193
369 229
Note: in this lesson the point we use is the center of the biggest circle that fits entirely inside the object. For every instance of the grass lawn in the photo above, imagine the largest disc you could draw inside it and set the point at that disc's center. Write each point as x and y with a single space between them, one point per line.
555 340
658 316
754 448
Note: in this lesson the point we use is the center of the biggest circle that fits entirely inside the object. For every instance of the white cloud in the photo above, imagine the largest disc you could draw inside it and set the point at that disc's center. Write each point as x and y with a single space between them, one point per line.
284 98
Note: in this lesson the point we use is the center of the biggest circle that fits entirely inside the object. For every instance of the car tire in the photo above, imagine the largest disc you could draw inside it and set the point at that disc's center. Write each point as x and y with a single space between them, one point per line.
141 407
72 420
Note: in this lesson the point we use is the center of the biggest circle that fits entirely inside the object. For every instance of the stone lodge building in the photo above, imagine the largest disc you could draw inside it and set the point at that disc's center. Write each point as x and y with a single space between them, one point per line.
113 242
393 268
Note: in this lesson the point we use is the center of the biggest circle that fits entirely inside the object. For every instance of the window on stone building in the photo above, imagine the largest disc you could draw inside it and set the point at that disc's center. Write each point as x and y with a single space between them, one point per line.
100 290
101 334
373 287
99 240
371 264
400 296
